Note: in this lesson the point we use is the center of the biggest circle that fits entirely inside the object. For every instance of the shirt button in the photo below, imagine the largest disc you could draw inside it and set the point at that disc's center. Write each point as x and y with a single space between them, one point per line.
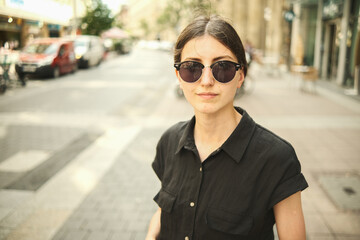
187 238
201 169
192 204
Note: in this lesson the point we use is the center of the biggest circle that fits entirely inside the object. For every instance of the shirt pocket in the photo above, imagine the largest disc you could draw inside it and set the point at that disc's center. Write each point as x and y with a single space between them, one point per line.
228 222
165 200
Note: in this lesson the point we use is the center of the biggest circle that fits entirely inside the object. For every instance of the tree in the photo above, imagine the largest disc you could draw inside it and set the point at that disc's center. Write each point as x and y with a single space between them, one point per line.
97 18
177 10
145 27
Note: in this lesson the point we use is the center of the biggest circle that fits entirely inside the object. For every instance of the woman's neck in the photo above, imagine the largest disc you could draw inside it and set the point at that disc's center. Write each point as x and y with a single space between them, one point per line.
212 130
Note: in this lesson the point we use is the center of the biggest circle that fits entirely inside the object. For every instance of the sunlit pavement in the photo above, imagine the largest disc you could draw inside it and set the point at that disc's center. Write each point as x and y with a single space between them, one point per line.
76 151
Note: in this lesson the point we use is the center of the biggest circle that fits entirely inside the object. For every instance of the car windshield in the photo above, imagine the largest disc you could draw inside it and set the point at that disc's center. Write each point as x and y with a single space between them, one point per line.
43 48
81 43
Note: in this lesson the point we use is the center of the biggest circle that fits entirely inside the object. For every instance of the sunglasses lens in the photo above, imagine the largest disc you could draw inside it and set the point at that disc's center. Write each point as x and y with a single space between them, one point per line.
190 71
224 71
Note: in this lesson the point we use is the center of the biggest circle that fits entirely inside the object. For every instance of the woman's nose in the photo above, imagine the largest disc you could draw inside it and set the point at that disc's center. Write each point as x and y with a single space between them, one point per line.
207 77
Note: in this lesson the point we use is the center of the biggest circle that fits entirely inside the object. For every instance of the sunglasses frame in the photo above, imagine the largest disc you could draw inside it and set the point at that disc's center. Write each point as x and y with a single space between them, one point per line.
237 67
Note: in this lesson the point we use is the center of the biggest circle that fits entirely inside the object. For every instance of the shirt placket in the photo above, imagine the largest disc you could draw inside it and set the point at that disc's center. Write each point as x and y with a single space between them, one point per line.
201 171
193 203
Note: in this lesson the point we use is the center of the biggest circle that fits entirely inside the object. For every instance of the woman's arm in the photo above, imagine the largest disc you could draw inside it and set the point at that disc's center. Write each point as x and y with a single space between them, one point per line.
154 226
290 219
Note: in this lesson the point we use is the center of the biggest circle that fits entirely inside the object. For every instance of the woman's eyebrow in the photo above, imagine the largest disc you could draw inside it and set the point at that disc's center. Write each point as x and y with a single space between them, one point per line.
192 59
214 59
222 57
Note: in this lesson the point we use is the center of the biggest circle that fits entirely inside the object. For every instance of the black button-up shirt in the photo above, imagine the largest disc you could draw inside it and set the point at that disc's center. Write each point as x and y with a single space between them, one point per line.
231 194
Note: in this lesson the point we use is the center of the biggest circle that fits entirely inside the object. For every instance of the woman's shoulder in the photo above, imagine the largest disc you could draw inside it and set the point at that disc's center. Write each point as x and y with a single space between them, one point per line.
271 141
275 152
174 132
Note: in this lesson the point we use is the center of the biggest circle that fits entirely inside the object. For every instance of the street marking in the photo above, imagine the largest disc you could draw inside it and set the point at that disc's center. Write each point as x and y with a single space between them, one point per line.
24 161
61 195
34 179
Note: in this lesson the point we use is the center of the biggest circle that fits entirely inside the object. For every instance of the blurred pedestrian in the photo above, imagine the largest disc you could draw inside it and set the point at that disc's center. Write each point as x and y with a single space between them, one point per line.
222 175
249 52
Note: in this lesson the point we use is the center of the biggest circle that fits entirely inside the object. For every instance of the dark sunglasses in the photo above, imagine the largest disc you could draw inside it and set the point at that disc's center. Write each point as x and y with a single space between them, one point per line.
222 71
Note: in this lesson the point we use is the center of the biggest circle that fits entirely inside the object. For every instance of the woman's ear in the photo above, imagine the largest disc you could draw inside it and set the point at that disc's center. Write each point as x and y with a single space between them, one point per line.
241 79
178 77
177 74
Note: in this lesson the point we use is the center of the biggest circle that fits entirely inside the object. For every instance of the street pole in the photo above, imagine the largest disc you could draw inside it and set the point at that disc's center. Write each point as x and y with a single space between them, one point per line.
318 37
75 25
343 47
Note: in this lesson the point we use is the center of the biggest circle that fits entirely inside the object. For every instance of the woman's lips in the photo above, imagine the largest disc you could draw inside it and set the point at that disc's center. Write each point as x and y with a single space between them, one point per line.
207 95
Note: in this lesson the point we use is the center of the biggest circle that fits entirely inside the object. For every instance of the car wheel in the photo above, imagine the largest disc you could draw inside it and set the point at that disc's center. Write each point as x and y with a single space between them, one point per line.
56 72
86 64
75 68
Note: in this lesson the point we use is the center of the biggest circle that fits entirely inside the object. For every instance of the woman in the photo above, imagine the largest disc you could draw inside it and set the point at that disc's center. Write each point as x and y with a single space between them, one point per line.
223 176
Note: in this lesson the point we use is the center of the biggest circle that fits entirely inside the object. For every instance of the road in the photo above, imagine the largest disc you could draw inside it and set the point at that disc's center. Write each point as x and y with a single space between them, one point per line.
75 152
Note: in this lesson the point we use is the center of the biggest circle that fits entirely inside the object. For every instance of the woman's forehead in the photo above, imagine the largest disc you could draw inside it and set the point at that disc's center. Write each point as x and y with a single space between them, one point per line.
206 47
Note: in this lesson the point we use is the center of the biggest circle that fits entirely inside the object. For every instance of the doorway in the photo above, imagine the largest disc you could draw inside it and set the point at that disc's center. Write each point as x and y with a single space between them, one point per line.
331 50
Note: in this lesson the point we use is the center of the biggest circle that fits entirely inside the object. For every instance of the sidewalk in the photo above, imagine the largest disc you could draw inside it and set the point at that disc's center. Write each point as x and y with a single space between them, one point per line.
106 192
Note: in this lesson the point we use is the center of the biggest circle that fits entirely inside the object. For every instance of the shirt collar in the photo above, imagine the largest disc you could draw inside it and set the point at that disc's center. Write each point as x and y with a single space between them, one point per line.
235 146
187 139
240 138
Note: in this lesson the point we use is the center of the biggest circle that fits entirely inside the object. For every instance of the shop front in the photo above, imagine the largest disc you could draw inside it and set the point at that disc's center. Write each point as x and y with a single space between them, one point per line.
340 23
21 21
10 32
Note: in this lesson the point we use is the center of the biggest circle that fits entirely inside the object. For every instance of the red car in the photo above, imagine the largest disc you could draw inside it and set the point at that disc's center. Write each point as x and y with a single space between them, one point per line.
47 57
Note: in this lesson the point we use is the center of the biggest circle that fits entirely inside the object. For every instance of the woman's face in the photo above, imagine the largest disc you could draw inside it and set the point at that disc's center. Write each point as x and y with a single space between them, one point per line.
208 95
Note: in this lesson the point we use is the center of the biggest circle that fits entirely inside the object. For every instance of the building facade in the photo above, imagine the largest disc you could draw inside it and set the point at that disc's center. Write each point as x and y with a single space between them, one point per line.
328 33
259 22
256 21
22 20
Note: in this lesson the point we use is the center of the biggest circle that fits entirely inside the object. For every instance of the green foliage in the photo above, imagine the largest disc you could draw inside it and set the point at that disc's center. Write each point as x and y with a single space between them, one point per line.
145 27
178 10
97 19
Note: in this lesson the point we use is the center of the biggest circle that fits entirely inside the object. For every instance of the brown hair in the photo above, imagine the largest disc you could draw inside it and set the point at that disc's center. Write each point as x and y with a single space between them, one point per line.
219 29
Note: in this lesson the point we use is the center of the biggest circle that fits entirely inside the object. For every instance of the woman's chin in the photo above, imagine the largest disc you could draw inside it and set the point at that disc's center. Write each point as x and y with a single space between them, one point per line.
207 108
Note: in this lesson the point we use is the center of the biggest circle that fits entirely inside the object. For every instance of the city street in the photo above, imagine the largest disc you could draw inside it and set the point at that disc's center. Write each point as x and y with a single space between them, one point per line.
76 152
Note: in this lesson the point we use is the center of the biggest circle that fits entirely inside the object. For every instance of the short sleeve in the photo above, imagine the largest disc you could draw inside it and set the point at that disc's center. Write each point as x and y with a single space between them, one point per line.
292 181
158 163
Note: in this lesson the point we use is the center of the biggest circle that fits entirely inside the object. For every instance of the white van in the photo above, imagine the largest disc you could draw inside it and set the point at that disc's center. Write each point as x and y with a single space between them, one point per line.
89 50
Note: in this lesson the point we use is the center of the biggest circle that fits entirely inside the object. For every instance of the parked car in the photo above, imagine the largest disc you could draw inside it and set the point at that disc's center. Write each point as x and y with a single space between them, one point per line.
89 50
47 57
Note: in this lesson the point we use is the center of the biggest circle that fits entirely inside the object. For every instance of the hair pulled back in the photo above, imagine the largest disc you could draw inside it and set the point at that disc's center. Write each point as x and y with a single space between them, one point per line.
217 28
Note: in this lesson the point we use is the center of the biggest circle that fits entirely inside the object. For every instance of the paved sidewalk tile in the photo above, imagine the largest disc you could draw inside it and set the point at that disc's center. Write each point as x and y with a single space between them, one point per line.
41 216
120 207
46 138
